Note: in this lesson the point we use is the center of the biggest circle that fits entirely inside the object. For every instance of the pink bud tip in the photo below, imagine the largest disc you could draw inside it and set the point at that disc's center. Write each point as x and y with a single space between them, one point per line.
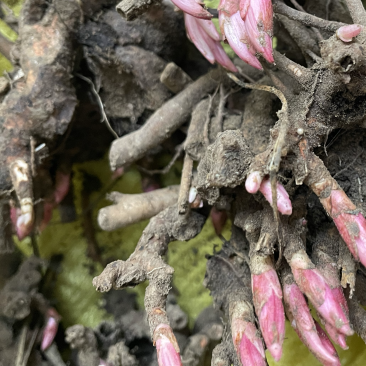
303 323
237 36
253 182
352 227
62 186
314 286
327 344
258 18
347 32
338 338
50 329
249 346
205 37
193 8
283 201
166 346
24 225
267 298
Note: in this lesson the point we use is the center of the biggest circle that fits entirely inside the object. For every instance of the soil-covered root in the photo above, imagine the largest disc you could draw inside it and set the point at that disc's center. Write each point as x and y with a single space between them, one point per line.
131 208
162 123
40 105
146 263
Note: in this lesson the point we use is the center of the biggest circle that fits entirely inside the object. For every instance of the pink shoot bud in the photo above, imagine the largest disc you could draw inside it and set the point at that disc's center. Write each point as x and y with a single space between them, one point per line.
267 298
347 32
283 201
234 30
166 346
50 330
193 8
352 227
253 182
258 18
62 186
327 344
247 343
205 37
314 286
337 337
219 219
301 320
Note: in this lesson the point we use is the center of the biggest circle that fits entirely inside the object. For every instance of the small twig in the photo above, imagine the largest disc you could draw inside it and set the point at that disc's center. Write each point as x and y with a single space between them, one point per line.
100 103
220 109
327 9
34 245
179 150
185 184
22 339
30 346
5 46
357 11
243 74
315 57
206 131
300 8
360 188
307 19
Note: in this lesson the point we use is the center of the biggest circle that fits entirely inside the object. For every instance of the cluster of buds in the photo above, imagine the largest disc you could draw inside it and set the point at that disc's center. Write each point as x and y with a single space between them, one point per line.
308 330
246 25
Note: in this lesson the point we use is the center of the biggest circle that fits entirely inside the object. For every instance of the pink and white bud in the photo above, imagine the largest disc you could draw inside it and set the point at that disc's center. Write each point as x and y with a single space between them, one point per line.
327 344
314 286
253 182
283 200
166 346
192 7
248 345
205 37
301 320
267 299
352 227
246 339
24 225
238 38
258 18
348 32
51 327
